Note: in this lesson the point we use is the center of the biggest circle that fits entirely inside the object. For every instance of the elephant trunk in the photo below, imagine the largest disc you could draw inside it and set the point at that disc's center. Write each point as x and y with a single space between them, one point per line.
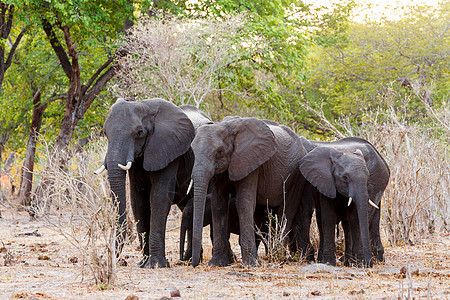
200 191
116 178
362 208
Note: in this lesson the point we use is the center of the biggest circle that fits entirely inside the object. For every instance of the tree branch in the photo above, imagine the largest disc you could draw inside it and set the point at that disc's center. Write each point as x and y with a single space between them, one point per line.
56 45
14 47
98 87
96 74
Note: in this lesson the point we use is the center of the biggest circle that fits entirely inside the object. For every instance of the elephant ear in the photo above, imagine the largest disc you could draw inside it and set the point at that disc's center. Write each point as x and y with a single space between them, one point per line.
171 137
254 144
317 168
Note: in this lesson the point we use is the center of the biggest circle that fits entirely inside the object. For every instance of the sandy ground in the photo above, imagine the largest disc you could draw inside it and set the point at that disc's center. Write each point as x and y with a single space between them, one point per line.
38 267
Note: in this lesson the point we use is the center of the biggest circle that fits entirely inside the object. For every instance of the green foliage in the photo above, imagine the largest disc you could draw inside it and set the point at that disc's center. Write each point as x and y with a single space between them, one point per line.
401 64
92 26
276 51
86 19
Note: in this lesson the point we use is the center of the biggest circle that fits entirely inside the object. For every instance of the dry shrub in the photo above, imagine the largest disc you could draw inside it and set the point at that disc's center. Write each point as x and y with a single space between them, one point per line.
416 201
275 238
417 198
77 204
178 59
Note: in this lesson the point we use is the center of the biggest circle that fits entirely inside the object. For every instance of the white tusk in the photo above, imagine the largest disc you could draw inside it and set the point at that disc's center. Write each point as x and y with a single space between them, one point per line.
190 186
373 204
349 201
127 167
101 169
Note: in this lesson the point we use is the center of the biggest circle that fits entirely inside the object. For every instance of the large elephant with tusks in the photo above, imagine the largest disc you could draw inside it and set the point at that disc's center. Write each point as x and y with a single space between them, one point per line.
151 141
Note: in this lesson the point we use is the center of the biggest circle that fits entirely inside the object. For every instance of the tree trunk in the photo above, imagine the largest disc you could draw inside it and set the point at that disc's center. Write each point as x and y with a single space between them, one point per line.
6 23
26 182
3 139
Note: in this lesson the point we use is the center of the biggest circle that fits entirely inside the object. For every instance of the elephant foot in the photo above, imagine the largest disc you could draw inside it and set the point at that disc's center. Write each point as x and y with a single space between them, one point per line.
328 260
188 255
220 261
155 262
379 255
251 261
360 263
366 264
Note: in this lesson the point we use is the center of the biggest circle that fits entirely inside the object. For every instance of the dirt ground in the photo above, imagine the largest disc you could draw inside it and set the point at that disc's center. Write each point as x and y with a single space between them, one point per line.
39 267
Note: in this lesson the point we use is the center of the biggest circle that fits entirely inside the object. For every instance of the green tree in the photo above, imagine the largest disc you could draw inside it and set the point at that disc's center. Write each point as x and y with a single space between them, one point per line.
401 64
252 67
76 35
10 39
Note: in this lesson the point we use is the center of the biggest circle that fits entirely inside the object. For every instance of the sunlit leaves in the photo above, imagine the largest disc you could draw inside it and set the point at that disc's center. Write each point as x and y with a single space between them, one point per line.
401 63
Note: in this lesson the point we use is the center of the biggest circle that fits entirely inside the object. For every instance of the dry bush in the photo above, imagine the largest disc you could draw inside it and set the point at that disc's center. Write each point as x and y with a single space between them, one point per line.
275 239
179 60
417 199
77 204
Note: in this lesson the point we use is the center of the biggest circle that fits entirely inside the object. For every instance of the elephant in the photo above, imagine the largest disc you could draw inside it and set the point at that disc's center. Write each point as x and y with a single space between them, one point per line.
346 176
151 141
256 159
187 219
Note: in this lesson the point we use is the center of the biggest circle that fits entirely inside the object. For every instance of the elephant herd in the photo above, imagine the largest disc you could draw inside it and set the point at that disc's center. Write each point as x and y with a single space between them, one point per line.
228 174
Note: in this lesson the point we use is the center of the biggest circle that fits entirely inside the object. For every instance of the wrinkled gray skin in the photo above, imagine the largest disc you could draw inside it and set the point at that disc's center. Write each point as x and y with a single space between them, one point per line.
187 221
257 160
155 135
349 167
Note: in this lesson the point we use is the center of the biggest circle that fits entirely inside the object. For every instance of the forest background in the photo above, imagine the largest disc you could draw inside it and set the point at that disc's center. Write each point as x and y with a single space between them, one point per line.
312 68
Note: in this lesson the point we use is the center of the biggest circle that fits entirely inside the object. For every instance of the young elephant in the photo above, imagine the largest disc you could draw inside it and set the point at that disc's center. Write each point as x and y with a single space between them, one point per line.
256 159
187 220
350 176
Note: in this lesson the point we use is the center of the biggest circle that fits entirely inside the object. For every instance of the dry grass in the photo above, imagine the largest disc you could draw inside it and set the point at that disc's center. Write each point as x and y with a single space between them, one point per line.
417 199
275 238
76 203
56 277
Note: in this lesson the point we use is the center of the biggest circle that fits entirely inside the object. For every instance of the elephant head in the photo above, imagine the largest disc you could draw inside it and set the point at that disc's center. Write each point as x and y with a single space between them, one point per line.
330 170
151 133
237 145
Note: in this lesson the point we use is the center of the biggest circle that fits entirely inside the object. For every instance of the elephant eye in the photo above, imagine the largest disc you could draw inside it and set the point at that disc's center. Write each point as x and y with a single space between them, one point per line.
140 133
220 153
345 177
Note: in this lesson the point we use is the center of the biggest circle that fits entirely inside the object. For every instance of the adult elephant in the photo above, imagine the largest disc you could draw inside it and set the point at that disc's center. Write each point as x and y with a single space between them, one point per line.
151 140
257 160
351 176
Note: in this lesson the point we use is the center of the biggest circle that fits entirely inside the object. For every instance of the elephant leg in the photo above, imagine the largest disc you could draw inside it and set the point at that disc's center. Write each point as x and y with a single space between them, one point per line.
245 205
161 198
221 252
319 227
140 205
348 243
328 220
375 239
301 232
303 224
